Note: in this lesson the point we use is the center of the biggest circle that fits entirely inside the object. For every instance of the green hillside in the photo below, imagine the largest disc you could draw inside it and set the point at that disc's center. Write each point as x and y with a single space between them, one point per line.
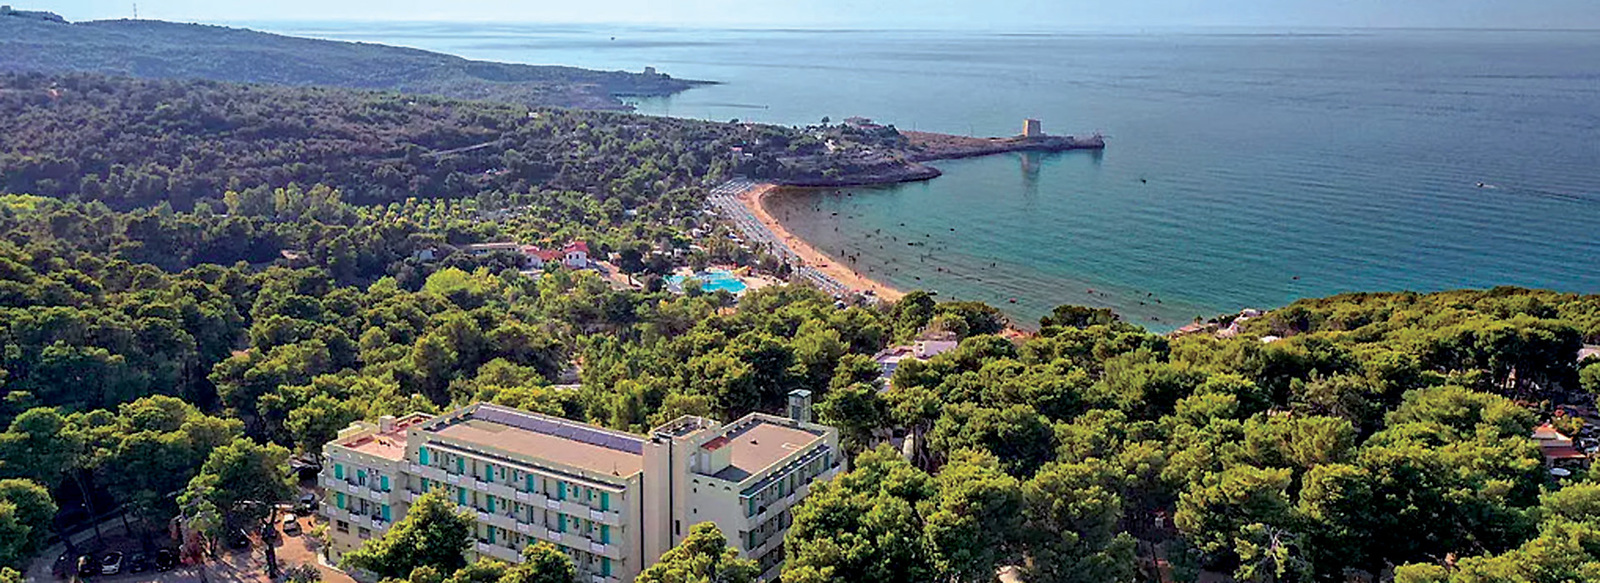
169 50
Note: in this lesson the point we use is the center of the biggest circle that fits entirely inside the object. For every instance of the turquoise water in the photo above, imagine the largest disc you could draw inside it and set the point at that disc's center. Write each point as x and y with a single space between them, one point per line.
1245 168
713 280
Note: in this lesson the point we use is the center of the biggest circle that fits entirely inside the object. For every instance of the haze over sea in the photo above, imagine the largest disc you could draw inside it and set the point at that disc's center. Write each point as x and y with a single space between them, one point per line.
1244 169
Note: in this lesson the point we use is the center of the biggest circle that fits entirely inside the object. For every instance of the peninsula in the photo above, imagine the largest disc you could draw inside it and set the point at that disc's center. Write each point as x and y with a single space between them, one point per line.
41 42
860 152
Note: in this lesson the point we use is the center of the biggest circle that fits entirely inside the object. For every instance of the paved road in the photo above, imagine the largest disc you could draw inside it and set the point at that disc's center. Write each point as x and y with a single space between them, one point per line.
724 200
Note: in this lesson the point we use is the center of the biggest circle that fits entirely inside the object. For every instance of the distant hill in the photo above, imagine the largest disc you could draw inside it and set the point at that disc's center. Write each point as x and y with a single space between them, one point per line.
35 42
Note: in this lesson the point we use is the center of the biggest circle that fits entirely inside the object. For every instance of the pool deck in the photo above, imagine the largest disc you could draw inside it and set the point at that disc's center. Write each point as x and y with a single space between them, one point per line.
721 276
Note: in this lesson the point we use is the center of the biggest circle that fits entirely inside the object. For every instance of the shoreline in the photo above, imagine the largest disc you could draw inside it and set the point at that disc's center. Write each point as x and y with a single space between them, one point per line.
754 199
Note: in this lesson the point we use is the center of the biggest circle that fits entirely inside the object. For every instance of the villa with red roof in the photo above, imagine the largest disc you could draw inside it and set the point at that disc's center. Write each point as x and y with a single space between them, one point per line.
574 255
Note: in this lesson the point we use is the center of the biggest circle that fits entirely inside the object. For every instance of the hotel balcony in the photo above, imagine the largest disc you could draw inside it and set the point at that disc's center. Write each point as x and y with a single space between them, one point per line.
498 519
499 552
497 489
428 472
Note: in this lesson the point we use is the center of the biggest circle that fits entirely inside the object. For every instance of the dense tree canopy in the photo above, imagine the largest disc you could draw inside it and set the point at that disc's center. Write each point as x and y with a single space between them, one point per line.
291 261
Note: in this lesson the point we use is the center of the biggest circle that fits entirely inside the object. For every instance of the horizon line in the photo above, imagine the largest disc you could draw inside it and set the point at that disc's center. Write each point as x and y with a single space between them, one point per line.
1280 29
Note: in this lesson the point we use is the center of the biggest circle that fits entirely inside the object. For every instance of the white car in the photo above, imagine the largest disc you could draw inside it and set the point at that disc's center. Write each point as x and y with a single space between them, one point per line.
291 525
111 564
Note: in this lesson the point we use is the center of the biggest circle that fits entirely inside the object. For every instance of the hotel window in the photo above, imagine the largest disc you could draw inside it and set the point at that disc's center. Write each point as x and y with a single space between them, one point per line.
338 471
338 498
364 533
605 501
461 465
342 526
383 483
422 455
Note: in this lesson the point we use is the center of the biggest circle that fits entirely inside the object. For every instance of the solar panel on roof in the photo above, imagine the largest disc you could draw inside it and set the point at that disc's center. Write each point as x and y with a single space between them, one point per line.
563 430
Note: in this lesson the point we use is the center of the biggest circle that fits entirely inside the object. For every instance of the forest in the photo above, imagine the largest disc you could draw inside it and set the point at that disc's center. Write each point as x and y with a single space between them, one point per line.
166 343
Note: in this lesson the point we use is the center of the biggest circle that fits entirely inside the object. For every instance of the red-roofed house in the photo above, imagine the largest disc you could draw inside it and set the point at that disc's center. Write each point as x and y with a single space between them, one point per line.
1555 446
577 254
538 257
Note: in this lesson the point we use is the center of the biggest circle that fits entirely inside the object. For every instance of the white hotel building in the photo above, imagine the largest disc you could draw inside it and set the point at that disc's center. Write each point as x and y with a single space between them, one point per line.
613 501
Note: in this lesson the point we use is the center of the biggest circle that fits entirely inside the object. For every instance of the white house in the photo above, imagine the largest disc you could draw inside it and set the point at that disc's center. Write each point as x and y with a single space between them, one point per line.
577 254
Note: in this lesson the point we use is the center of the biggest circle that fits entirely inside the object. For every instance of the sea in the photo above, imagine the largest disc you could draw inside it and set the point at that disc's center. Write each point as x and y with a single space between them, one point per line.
1244 167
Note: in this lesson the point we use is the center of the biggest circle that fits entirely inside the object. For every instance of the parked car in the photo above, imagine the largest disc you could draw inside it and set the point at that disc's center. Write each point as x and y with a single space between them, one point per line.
307 505
301 469
138 563
111 564
238 538
291 525
87 566
166 559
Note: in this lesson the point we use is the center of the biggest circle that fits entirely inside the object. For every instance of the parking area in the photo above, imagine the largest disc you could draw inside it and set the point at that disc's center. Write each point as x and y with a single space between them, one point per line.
233 565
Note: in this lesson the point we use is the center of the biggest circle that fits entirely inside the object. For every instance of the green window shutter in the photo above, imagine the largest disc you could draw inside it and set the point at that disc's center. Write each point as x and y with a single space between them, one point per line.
461 496
422 454
491 504
488 473
384 483
338 498
424 485
386 513
605 500
338 471
561 490
605 566
530 483
561 520
461 465
491 534
605 534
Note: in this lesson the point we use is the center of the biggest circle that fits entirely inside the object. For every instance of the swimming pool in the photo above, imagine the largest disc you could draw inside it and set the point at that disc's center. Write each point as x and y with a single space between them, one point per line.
713 280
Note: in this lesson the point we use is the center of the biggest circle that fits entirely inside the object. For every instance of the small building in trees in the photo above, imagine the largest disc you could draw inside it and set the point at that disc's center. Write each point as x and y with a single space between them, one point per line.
889 359
1557 448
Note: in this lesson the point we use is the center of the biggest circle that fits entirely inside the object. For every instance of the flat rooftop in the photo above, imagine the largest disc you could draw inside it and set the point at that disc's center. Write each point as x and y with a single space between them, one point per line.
390 445
759 445
541 437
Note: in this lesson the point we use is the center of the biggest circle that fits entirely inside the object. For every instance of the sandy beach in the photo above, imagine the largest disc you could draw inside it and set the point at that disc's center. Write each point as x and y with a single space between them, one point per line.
754 200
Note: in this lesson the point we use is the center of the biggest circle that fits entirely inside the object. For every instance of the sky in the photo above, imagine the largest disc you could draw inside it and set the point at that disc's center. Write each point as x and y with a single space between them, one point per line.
955 14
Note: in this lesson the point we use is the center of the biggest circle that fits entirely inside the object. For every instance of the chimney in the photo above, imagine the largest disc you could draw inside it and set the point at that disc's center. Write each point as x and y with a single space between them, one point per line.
386 424
800 405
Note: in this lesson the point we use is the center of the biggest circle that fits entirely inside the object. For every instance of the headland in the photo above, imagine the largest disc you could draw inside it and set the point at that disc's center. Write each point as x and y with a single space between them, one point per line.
862 153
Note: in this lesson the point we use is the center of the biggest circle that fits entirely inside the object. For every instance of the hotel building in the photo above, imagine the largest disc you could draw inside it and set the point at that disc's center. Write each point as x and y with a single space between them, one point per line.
613 501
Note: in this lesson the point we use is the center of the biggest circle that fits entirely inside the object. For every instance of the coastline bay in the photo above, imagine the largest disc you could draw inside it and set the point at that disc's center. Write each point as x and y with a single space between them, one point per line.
1243 170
